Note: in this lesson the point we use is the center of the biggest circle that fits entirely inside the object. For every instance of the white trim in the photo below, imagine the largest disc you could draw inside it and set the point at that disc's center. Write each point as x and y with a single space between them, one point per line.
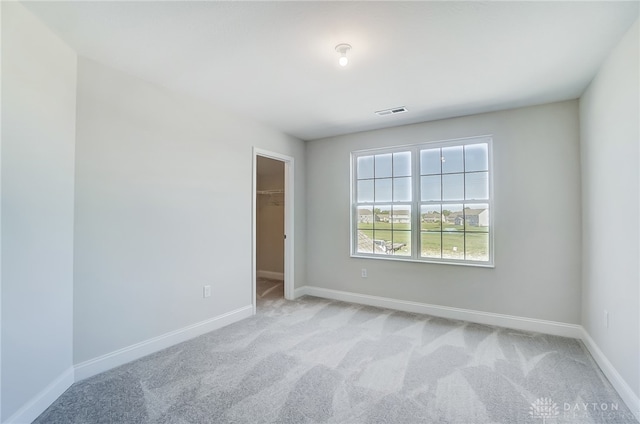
422 261
127 354
289 178
289 209
254 205
1 235
40 402
624 390
301 291
270 274
488 318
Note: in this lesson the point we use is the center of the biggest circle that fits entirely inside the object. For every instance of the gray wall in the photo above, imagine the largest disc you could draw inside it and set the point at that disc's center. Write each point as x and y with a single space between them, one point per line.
163 207
609 116
38 130
537 218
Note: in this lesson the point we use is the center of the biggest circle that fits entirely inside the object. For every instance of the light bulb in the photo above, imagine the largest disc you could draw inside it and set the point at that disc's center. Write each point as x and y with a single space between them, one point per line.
342 49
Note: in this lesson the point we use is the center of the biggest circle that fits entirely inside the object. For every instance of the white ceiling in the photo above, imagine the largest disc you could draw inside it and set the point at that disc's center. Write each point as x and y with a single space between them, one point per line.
275 61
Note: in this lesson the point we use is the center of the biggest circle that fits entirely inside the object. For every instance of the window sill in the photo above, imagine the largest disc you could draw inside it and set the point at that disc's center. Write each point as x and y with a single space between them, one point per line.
424 261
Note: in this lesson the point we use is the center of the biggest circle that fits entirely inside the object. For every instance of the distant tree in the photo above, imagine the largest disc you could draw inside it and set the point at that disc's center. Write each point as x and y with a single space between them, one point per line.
446 212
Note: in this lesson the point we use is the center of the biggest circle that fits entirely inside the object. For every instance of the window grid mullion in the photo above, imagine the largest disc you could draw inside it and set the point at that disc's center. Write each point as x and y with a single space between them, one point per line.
393 189
464 197
416 230
441 199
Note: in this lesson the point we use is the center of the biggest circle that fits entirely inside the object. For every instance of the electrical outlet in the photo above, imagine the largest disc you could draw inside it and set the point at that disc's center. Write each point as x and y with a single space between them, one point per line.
364 273
606 319
206 291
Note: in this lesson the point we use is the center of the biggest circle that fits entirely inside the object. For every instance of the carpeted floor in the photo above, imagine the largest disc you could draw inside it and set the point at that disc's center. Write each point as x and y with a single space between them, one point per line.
315 360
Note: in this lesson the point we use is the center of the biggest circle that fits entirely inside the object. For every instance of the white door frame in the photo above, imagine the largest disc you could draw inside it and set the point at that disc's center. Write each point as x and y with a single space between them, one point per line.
288 222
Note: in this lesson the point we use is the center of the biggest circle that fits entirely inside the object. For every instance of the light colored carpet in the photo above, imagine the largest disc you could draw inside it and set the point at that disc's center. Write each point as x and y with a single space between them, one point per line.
315 360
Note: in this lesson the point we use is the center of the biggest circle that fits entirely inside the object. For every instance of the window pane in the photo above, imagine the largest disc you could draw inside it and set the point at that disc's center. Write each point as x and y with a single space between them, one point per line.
365 191
402 164
452 159
452 218
430 218
477 246
382 234
477 217
383 166
382 217
476 157
453 245
431 246
365 218
365 167
383 190
430 188
402 189
365 242
381 241
452 187
401 245
430 161
401 218
365 230
477 186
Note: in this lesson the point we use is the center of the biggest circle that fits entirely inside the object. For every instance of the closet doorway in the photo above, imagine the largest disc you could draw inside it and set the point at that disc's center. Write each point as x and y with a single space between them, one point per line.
272 227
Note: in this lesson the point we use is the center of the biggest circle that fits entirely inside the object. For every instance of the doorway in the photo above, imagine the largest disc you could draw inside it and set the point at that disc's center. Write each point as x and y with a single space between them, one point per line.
272 226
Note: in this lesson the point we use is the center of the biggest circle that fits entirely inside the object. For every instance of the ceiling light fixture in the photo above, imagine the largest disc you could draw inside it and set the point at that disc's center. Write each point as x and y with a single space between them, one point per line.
343 49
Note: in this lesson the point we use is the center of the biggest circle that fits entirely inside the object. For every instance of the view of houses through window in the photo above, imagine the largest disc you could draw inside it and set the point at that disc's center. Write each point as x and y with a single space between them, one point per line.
428 202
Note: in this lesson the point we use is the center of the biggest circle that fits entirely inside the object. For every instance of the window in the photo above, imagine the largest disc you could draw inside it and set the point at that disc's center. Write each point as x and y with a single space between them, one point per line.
430 202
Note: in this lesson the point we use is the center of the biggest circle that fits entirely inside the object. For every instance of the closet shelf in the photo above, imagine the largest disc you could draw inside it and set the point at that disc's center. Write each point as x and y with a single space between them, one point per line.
280 191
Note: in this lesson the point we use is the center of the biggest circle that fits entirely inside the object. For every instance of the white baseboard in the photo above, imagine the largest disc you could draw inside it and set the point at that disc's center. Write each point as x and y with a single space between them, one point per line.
36 406
300 291
270 274
520 323
616 380
130 353
488 318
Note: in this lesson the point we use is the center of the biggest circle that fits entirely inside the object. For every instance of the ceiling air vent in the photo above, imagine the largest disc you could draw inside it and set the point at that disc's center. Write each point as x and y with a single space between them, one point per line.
392 111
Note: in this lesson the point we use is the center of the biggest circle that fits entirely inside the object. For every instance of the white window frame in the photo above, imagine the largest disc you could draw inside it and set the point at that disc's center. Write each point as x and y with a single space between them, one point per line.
416 202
